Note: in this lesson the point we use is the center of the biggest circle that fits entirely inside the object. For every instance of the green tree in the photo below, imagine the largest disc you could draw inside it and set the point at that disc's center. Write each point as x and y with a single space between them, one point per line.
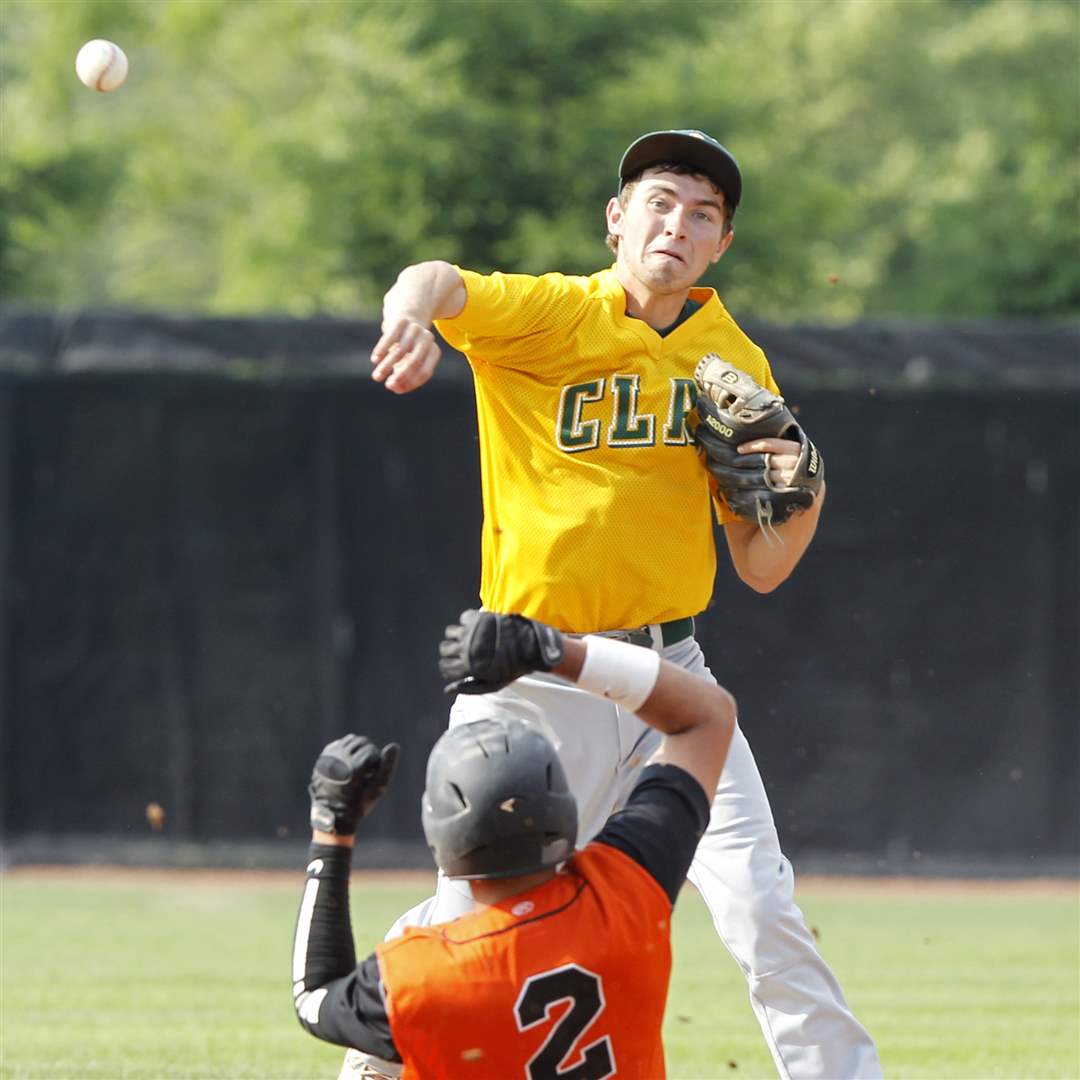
900 156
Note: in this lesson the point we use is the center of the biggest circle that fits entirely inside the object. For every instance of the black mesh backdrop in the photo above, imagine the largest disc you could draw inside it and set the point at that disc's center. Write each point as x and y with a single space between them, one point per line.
913 685
211 563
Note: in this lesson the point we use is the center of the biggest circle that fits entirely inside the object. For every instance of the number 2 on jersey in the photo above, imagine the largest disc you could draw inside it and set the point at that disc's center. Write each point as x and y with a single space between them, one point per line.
585 993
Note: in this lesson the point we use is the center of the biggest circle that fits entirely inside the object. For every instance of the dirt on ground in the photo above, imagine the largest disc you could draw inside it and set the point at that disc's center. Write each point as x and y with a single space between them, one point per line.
807 884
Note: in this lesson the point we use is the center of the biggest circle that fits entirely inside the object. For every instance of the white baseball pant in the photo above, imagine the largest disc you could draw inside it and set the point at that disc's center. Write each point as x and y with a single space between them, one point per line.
739 869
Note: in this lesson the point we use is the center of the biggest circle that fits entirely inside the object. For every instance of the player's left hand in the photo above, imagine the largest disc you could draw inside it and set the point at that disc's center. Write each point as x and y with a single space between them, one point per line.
484 651
783 458
759 457
349 776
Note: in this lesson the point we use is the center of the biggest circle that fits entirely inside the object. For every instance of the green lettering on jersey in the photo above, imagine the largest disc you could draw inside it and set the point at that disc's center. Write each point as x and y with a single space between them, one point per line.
683 396
627 428
572 433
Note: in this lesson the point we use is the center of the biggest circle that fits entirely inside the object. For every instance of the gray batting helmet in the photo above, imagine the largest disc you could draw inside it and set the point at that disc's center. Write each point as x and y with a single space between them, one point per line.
496 802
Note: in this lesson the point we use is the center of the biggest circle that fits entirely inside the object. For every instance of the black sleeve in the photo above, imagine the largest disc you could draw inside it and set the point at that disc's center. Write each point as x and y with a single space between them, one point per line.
336 999
661 824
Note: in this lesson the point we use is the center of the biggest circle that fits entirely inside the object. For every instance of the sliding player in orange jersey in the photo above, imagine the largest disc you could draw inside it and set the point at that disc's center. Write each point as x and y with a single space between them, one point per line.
563 968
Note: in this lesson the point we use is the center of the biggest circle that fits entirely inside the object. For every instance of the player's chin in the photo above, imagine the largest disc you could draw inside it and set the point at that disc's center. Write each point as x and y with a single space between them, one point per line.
669 276
672 271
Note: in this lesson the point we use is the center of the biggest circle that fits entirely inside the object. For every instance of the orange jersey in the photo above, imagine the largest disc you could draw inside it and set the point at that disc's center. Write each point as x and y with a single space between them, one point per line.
576 969
597 513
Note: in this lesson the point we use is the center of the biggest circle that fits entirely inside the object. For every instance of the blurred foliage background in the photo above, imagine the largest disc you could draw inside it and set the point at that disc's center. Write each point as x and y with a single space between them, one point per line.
900 156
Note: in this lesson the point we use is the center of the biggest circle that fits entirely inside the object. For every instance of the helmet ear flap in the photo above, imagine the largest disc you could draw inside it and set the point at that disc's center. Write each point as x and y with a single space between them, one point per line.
497 802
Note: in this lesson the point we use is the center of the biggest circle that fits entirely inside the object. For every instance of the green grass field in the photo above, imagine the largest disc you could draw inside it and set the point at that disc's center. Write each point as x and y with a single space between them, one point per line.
164 976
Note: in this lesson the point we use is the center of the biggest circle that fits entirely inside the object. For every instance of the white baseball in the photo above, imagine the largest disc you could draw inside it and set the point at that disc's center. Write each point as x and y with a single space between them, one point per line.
101 65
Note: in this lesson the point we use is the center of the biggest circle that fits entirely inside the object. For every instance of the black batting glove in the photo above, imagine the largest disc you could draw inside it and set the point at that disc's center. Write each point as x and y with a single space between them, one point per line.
484 651
349 776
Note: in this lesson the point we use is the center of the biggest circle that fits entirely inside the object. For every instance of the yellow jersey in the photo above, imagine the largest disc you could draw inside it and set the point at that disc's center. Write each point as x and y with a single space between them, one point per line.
597 509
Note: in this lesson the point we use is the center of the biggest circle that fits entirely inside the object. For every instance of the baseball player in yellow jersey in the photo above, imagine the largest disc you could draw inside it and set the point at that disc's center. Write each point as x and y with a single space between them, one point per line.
597 518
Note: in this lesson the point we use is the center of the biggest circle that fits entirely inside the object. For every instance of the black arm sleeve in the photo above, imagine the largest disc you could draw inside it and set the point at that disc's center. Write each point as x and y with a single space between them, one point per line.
335 999
661 824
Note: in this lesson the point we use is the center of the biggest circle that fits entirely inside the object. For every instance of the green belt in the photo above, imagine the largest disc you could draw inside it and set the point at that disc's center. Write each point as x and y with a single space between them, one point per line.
670 633
677 630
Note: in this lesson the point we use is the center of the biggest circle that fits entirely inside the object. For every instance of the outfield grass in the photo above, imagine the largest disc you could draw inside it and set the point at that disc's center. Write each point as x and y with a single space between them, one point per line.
963 983
163 976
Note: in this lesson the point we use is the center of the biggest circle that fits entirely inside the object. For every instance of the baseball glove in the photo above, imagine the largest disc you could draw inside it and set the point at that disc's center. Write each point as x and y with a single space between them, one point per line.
732 410
484 651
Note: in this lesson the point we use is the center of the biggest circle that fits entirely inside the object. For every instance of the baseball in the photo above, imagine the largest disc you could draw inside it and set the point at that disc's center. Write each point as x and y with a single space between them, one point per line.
101 65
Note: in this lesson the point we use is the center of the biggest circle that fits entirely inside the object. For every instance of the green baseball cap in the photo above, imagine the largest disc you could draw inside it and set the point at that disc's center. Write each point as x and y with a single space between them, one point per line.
687 147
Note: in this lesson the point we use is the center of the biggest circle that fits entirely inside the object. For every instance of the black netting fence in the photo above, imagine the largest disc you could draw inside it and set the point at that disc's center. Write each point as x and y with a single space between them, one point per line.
221 546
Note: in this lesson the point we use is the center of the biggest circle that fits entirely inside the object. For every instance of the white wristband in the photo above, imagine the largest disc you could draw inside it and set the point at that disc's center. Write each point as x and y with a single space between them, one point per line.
619 671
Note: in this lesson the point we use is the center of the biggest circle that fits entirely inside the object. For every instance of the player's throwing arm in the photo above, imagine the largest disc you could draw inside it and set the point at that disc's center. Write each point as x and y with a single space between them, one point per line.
407 353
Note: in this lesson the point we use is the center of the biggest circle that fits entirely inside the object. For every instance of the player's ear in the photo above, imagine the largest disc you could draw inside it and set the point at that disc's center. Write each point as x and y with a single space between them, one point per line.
725 243
615 215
